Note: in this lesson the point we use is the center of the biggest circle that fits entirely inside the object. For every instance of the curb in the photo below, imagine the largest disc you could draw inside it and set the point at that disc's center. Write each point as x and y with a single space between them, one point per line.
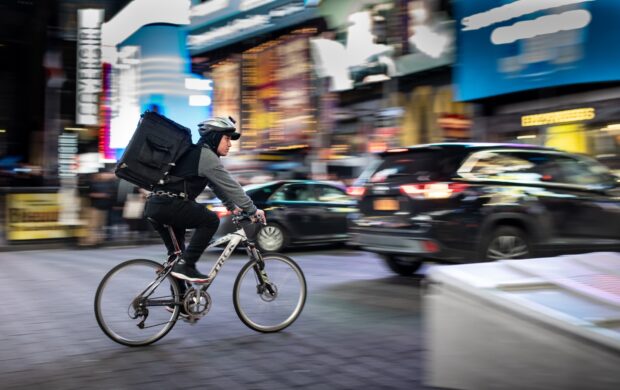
35 246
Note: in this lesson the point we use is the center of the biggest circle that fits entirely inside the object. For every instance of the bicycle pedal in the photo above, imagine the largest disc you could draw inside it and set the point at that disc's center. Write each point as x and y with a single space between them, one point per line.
191 320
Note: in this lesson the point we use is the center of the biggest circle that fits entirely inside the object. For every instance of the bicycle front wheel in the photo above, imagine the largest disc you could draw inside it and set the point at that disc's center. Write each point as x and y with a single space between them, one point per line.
274 307
135 305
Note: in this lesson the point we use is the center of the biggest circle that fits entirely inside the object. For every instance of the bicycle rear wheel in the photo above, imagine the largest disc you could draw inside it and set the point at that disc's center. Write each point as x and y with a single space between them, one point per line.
132 301
270 309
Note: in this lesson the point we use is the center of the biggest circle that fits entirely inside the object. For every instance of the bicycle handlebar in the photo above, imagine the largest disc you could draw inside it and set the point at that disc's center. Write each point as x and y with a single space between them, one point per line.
243 216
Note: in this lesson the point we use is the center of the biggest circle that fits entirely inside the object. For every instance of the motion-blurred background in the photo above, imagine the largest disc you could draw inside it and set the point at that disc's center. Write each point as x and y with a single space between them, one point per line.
317 87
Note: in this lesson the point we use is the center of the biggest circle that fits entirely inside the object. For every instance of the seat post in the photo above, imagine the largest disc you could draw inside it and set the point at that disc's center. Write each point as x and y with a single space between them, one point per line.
177 249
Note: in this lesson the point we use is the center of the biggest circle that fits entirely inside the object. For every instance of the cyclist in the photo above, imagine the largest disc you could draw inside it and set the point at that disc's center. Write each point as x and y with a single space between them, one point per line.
174 202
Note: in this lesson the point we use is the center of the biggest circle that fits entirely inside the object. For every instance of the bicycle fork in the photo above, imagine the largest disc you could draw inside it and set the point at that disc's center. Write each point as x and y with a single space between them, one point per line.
264 284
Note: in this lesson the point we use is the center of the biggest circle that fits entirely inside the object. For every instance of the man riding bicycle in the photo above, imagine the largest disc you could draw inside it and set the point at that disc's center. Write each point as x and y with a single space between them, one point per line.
174 203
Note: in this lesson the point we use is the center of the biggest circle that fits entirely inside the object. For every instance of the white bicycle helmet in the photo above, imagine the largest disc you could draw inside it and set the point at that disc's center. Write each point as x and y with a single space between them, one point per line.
219 124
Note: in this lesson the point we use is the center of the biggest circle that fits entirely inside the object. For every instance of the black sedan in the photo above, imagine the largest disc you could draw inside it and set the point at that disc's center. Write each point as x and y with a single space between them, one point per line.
298 212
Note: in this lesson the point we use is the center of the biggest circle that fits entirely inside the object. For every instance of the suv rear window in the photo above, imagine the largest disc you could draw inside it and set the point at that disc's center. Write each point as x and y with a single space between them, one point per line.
421 165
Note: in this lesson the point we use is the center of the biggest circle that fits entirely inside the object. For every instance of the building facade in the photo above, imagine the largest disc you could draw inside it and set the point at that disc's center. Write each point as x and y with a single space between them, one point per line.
543 75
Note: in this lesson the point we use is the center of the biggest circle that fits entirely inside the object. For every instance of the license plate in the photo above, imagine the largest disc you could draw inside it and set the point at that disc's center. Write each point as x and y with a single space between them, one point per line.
386 204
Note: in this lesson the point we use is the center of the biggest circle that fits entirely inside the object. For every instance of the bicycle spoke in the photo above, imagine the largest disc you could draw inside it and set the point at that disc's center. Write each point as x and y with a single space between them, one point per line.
133 321
267 311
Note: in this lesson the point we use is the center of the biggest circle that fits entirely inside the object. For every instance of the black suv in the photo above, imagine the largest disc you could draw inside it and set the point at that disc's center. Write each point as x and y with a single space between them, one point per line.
468 202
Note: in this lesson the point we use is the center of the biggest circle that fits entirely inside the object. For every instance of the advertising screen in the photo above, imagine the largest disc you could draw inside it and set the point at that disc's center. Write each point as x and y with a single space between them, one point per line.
293 103
153 73
276 94
509 46
227 93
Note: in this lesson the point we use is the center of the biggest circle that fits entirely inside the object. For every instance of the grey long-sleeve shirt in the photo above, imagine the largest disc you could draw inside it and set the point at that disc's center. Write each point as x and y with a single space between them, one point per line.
222 183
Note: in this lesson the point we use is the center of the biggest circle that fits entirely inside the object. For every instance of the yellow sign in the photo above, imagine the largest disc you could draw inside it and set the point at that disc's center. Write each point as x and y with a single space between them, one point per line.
571 138
34 216
549 118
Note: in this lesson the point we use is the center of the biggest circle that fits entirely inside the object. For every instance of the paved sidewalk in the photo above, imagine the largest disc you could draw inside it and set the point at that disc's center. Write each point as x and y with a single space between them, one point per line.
361 327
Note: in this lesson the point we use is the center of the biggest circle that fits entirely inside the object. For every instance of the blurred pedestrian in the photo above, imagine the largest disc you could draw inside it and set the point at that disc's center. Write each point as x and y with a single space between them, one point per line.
101 193
133 211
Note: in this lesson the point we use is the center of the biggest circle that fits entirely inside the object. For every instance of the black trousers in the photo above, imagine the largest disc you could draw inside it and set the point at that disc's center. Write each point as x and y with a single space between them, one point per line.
181 215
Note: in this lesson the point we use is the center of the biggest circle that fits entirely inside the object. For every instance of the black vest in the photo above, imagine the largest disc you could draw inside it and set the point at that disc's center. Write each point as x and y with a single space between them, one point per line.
184 175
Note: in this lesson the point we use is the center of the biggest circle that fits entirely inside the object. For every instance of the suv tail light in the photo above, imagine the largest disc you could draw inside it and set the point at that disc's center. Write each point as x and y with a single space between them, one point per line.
438 190
356 192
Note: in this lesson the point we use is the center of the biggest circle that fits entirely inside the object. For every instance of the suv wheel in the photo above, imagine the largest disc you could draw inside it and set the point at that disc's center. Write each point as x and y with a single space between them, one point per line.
507 242
271 238
405 266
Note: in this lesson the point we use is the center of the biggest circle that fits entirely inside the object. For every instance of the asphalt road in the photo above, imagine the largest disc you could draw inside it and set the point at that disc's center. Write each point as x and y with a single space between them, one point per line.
361 327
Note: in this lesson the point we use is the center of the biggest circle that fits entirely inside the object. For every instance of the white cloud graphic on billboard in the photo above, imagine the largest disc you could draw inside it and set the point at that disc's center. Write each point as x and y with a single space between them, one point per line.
511 11
544 25
548 36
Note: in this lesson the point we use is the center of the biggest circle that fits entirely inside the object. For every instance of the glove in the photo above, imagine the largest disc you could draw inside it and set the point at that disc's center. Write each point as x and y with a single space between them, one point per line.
259 216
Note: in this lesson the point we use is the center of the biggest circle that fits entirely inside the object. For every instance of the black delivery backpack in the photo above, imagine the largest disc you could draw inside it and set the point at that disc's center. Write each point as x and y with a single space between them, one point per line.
152 151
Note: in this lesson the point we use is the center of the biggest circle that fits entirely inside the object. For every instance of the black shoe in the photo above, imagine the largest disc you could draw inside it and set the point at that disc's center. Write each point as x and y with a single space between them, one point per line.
184 271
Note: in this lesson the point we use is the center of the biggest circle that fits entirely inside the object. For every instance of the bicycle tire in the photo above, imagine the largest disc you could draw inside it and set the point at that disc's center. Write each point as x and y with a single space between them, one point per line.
119 287
280 311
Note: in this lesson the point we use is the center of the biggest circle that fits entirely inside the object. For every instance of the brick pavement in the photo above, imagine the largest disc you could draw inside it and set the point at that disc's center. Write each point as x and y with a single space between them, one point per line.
361 327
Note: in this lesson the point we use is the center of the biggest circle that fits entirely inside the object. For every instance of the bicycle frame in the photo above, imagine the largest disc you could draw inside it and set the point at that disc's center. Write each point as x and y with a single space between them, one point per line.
195 302
233 239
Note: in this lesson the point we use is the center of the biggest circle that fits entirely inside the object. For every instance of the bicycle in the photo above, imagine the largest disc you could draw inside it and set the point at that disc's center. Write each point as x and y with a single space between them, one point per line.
269 293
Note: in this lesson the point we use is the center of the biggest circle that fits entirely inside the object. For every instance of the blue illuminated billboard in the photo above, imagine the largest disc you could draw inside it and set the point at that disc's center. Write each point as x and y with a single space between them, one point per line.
508 46
154 73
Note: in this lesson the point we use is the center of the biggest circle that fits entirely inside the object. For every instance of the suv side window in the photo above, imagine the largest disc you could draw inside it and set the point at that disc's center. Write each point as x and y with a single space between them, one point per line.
332 195
577 171
533 167
499 165
295 193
